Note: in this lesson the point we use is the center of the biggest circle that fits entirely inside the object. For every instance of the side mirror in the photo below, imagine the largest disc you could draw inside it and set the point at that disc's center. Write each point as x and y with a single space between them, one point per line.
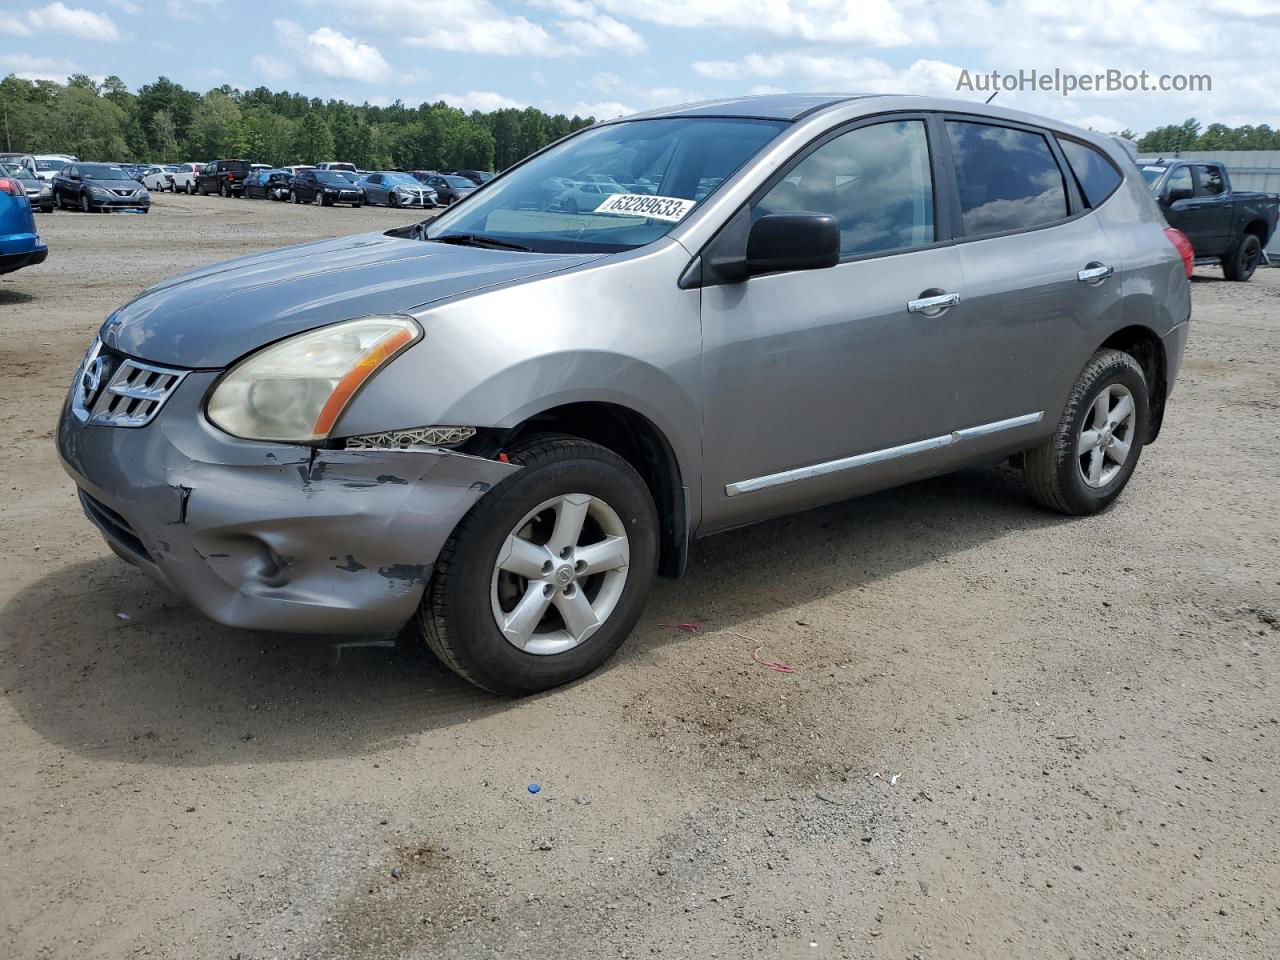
793 241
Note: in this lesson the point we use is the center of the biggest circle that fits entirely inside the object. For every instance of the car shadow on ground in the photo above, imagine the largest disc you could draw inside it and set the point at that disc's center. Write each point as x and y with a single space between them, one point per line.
100 661
9 297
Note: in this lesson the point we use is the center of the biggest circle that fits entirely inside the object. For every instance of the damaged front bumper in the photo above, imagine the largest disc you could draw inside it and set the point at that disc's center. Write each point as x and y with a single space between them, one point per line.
272 536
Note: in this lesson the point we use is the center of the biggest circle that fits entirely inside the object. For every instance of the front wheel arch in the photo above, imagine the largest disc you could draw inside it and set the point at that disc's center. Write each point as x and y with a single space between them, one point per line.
639 441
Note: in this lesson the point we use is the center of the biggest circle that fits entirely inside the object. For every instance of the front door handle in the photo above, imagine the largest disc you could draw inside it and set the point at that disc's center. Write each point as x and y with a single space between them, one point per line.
933 306
1095 272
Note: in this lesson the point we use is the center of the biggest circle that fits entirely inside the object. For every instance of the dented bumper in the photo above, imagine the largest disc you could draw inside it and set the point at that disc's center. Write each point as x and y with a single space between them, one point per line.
272 536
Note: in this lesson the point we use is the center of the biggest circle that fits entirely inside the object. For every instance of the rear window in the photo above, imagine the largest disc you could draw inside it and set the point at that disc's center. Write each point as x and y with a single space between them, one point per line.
1008 178
234 166
1097 177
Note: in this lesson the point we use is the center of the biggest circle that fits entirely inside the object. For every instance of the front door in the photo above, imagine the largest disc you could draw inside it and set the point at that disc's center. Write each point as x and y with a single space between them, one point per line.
816 380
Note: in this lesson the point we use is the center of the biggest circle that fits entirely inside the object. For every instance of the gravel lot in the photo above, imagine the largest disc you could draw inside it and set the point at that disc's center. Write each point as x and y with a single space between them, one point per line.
1008 734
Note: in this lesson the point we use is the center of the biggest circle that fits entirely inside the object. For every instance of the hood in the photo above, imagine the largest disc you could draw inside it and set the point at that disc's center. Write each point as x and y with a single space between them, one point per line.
212 316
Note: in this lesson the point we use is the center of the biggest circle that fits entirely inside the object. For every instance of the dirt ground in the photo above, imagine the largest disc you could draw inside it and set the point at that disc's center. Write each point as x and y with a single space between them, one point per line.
1008 734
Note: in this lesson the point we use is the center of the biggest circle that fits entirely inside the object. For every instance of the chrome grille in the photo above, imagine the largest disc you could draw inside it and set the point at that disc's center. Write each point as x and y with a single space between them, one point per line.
133 393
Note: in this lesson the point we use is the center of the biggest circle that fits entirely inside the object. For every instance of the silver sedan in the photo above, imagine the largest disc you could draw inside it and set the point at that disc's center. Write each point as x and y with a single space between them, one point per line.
395 189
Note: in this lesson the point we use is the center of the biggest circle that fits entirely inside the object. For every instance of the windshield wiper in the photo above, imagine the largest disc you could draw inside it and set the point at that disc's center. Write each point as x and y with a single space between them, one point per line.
479 240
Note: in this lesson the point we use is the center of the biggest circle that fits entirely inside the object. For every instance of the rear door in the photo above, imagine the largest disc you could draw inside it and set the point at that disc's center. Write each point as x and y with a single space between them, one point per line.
1040 273
1214 205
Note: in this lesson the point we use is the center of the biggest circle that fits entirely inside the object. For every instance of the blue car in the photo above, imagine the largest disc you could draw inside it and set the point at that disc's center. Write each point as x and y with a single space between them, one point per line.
20 245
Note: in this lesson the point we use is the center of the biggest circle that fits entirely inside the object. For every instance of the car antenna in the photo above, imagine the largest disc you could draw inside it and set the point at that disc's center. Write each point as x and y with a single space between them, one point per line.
990 98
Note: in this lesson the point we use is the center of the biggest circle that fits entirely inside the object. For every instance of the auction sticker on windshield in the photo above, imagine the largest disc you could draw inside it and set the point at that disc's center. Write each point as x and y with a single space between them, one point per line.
644 205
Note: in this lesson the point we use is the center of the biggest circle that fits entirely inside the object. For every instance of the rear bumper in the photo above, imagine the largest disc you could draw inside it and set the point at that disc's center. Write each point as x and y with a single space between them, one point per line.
21 250
272 536
1175 345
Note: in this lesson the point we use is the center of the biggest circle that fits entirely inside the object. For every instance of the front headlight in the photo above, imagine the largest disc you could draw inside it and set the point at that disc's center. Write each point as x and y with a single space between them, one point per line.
100 192
295 390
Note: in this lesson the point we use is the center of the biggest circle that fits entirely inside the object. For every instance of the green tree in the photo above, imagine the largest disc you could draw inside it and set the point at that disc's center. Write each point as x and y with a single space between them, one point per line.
315 140
164 137
215 127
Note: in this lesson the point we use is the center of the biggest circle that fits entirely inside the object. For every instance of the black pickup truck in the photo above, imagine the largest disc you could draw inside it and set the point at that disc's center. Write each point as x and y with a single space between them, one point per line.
1224 226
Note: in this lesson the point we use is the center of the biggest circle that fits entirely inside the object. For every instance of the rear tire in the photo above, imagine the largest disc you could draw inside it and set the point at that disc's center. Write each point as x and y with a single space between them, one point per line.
1089 459
1243 261
472 581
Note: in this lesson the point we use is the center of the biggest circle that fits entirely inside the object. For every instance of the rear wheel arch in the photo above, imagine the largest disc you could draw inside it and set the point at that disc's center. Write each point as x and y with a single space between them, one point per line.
1145 346
639 441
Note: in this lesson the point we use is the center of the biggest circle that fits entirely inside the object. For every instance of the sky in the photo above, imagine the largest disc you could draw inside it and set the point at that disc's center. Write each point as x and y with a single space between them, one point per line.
607 58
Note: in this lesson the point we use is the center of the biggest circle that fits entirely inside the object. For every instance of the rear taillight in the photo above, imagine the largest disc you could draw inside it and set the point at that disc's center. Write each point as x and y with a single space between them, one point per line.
12 187
1183 246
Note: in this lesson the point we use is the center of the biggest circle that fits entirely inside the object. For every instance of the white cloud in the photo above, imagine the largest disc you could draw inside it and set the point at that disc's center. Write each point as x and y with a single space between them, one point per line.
877 23
459 26
485 100
30 67
506 37
604 110
273 68
853 74
332 54
599 32
60 19
191 10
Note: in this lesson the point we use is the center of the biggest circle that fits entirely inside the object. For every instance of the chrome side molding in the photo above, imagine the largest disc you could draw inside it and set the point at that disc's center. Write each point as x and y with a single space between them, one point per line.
879 456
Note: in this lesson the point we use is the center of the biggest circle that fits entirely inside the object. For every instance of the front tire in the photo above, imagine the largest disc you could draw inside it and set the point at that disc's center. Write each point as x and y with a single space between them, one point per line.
1243 261
1089 459
548 573
84 204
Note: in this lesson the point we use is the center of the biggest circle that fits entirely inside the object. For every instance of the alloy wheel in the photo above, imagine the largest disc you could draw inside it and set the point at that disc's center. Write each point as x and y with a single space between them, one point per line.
560 574
1106 435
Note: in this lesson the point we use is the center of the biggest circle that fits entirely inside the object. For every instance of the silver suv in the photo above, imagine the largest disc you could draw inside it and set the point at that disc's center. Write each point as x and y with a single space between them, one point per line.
502 423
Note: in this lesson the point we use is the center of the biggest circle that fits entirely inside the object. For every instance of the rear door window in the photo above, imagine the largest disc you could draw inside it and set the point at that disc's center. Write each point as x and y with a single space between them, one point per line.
1211 184
874 180
1096 175
1008 179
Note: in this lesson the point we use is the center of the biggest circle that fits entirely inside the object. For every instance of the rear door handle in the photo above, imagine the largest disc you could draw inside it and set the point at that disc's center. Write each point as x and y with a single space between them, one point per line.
933 306
1095 272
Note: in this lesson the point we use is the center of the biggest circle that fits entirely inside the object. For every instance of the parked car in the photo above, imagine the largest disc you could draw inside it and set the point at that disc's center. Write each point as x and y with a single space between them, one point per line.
48 165
39 193
223 177
337 165
100 187
185 177
1225 226
396 189
478 177
448 188
584 195
20 244
159 178
269 184
325 188
499 426
11 159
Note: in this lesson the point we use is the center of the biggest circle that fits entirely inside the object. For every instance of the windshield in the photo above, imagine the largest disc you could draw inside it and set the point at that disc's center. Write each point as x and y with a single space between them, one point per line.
50 164
102 171
1151 172
336 178
610 188
404 178
462 183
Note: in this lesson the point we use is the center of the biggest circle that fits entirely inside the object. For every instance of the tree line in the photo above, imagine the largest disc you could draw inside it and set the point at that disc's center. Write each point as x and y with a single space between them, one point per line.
163 122
1188 135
